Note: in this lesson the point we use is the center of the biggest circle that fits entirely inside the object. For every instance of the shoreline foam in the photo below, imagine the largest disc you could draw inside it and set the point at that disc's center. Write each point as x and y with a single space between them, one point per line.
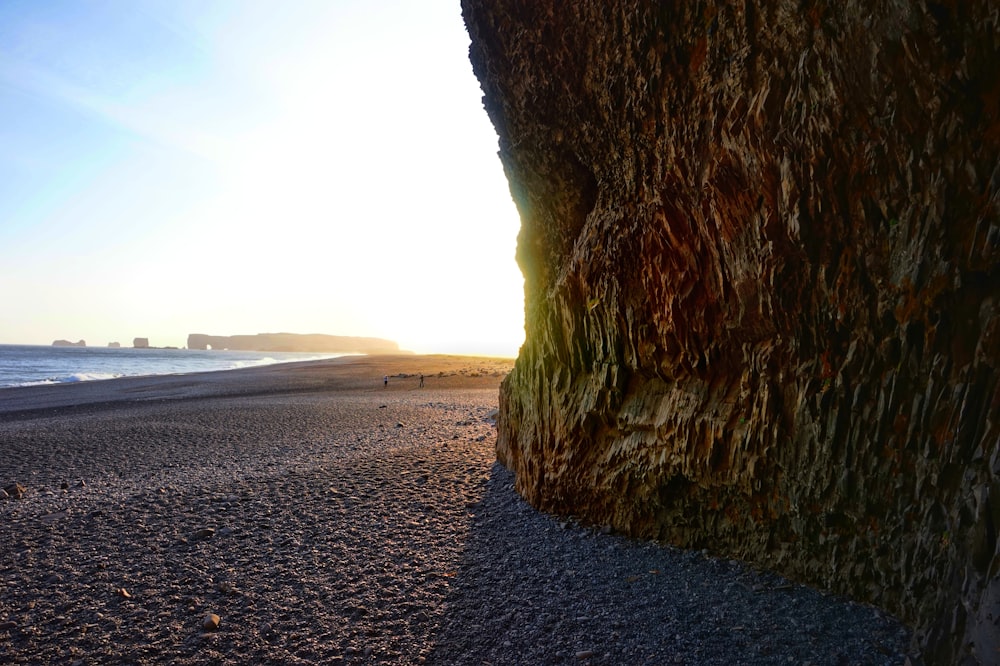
330 373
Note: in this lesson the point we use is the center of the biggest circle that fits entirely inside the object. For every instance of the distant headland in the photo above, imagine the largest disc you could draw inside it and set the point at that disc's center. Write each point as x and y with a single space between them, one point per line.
269 342
293 342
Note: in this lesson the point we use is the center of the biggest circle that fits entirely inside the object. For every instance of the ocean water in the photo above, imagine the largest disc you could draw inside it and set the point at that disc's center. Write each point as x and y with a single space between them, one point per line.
29 365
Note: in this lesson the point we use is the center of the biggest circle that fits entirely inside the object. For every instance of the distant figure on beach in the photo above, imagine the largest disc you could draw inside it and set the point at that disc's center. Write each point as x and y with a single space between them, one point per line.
385 381
421 380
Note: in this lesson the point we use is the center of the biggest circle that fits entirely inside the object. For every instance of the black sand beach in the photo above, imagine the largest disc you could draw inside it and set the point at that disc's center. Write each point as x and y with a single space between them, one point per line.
322 518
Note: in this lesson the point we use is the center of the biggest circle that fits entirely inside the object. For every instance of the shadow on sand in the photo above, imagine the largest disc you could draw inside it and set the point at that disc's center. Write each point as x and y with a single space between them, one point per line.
536 589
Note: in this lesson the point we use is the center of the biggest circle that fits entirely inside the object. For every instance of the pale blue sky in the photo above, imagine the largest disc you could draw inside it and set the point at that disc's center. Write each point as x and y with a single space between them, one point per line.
245 166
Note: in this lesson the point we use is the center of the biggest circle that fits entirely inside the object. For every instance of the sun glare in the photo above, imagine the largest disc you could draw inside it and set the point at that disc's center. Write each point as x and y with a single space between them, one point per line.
328 170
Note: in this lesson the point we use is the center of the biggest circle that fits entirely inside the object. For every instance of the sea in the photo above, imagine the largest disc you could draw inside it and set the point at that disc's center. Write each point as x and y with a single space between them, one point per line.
31 365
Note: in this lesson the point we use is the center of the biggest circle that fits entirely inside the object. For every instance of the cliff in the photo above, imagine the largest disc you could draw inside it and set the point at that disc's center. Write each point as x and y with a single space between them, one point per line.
293 342
760 247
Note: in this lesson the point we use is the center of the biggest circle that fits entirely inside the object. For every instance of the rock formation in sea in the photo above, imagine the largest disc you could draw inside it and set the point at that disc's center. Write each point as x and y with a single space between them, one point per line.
114 345
293 342
140 343
67 343
761 250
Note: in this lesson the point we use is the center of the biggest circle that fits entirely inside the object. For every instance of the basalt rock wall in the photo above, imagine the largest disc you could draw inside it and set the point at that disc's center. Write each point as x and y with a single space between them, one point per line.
760 244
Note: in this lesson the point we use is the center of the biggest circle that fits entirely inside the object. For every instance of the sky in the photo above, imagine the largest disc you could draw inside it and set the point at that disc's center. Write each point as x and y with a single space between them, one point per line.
249 166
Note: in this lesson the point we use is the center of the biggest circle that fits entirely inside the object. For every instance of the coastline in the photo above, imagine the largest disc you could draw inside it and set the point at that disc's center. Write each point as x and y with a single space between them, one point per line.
340 373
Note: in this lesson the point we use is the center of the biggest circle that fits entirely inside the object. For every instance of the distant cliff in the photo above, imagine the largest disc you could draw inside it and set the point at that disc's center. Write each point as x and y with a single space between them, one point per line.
67 343
293 342
761 250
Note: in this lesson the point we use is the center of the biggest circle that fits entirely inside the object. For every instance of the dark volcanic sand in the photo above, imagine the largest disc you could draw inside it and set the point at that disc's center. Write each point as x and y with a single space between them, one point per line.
326 519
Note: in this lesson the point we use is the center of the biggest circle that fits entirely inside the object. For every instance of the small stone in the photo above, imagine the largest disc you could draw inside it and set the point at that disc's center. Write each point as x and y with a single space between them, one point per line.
15 490
203 533
8 625
123 593
64 485
211 622
584 654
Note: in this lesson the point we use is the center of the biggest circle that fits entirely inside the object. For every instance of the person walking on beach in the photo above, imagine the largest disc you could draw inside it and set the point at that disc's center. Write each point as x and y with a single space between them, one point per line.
385 381
421 380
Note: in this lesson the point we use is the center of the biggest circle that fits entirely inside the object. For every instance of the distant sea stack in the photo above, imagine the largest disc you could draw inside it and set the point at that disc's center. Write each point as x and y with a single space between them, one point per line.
67 343
293 342
140 343
761 257
114 345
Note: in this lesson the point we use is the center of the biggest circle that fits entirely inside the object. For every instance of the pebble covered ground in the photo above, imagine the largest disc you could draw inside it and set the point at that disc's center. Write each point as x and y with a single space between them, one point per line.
330 524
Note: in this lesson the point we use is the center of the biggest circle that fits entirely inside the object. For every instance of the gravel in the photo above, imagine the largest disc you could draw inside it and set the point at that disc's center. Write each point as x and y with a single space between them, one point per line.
535 589
331 527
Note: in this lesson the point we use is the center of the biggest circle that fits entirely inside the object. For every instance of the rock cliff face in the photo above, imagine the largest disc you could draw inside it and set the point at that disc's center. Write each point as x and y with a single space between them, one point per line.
760 244
293 342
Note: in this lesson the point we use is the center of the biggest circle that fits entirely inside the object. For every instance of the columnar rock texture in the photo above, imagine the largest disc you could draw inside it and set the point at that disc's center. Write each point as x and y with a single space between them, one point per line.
761 252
